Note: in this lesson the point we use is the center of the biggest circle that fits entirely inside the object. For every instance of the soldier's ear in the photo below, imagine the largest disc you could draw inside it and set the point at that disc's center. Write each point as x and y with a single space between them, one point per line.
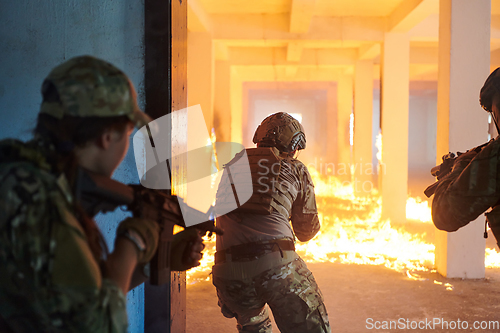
104 140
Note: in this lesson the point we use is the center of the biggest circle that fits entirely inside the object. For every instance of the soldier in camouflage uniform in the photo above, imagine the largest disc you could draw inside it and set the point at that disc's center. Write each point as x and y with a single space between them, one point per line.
256 262
471 187
56 274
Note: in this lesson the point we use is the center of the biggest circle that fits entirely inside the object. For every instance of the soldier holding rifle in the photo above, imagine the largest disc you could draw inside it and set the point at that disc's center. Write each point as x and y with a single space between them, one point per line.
56 273
469 184
256 263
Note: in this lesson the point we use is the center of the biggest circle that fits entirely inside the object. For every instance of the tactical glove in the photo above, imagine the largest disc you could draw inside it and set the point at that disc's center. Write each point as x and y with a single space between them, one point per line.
182 246
144 233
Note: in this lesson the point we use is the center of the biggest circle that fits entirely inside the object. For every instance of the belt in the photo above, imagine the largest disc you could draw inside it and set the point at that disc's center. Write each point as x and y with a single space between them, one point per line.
253 251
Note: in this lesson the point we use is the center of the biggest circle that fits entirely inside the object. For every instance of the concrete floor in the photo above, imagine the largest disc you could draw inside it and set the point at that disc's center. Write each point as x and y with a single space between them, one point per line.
356 296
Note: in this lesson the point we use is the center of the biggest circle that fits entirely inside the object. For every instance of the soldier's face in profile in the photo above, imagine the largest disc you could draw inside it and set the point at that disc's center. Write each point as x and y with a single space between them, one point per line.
117 149
105 154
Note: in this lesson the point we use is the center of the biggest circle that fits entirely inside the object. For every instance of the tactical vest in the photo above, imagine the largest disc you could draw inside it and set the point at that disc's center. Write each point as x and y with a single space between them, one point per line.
264 191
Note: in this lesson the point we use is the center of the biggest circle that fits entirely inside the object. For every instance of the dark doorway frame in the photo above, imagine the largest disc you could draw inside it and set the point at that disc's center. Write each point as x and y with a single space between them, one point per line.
165 61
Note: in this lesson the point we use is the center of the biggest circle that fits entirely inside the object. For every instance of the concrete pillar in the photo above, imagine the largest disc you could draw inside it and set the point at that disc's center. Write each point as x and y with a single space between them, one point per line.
395 72
363 110
200 67
344 99
464 58
236 93
200 88
332 136
222 101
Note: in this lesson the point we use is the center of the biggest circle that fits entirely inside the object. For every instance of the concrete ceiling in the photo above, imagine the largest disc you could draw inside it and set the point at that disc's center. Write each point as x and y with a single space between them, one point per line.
302 36
321 7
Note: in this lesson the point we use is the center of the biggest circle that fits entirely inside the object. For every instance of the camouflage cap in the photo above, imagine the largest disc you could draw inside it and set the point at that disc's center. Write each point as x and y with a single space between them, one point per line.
91 87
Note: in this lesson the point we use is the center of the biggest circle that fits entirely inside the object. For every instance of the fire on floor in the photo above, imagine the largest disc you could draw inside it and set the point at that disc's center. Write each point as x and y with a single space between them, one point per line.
352 232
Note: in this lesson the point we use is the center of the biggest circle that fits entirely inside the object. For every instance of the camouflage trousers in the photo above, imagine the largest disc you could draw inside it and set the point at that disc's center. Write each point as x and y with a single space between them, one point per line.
289 289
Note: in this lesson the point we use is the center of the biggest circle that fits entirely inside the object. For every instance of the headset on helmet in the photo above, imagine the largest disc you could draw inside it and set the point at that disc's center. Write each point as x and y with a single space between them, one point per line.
282 131
490 88
487 94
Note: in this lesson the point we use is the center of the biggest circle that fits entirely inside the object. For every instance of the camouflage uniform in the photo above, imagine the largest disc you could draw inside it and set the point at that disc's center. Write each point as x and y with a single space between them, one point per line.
469 190
279 278
49 279
290 290
472 186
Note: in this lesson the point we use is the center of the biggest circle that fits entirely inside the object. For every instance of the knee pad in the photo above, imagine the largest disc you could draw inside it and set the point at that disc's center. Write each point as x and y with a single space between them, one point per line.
262 327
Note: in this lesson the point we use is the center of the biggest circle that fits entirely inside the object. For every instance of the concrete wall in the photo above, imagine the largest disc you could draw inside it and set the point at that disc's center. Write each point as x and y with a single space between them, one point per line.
421 133
200 71
36 36
315 101
222 101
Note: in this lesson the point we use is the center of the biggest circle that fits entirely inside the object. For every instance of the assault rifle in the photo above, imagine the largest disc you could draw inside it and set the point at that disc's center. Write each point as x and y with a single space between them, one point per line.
444 169
98 193
440 171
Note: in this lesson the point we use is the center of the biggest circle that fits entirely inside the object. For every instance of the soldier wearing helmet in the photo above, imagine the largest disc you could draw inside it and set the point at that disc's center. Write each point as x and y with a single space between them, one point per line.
470 188
56 274
256 262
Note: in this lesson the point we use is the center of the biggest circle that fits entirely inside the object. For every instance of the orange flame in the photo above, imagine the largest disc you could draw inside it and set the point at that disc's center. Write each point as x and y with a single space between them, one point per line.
202 272
419 210
353 232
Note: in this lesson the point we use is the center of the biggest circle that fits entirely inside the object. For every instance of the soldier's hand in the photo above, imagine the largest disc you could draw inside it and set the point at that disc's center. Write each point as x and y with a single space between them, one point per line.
186 250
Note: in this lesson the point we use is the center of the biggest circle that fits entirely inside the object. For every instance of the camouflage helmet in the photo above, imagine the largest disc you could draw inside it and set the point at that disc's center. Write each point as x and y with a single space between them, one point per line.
282 131
490 88
91 87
